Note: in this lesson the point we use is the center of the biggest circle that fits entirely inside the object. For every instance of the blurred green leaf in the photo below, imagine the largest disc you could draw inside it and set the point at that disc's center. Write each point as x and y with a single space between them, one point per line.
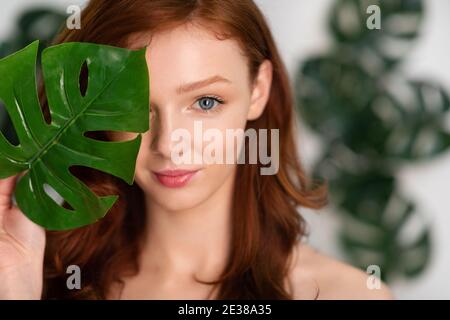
380 49
40 23
35 23
417 121
372 121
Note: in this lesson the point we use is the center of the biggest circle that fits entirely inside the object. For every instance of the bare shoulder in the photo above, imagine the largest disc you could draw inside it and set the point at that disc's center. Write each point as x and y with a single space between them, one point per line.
316 276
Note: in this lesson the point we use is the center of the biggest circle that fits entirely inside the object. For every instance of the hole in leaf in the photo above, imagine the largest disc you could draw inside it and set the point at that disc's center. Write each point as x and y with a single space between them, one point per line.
83 79
111 135
99 182
43 97
52 193
6 126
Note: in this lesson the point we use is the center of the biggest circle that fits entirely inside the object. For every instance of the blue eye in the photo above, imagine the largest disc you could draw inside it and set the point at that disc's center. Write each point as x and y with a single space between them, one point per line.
208 103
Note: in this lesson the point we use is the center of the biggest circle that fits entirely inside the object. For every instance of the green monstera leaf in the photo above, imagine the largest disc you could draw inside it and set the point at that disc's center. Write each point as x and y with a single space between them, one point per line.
400 22
372 120
116 99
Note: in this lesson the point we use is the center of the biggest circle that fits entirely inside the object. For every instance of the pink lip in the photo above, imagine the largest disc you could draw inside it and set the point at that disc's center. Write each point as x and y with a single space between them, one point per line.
174 178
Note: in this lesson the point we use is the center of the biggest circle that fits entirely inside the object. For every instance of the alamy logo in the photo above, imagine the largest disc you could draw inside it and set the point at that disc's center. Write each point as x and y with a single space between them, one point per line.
374 20
212 146
374 279
74 280
74 19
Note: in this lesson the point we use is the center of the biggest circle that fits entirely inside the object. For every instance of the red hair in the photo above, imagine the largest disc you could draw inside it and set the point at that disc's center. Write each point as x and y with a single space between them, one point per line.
266 223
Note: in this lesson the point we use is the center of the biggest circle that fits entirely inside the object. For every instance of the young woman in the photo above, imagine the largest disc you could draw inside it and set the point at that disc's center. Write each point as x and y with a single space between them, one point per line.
190 231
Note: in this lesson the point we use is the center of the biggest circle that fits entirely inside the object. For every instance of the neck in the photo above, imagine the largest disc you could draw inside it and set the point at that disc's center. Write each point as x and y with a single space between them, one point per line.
193 242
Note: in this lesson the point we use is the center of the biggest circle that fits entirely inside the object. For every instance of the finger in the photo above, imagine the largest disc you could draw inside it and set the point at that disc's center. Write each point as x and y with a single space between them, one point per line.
7 186
24 230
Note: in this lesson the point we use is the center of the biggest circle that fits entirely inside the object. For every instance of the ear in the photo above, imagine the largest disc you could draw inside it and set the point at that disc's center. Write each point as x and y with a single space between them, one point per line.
261 90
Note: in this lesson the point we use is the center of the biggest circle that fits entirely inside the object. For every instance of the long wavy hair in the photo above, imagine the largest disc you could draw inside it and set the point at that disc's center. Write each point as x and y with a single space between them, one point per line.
266 224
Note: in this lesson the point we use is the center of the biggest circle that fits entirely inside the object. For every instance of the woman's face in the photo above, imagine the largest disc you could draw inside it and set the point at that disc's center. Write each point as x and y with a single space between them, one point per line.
195 80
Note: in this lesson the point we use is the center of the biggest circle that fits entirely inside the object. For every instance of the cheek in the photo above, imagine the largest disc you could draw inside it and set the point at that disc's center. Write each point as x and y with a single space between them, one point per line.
143 159
231 117
144 150
217 128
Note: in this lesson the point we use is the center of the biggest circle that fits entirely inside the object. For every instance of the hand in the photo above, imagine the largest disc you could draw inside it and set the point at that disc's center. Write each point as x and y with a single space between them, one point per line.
22 245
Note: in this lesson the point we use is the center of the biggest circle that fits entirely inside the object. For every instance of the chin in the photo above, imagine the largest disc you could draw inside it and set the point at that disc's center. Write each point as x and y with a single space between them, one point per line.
176 200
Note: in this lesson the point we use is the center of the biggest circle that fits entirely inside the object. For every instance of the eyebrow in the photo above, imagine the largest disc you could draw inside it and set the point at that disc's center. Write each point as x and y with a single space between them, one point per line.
200 84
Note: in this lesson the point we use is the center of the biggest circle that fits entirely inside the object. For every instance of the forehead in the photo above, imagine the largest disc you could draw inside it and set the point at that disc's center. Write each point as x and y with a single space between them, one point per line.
189 53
